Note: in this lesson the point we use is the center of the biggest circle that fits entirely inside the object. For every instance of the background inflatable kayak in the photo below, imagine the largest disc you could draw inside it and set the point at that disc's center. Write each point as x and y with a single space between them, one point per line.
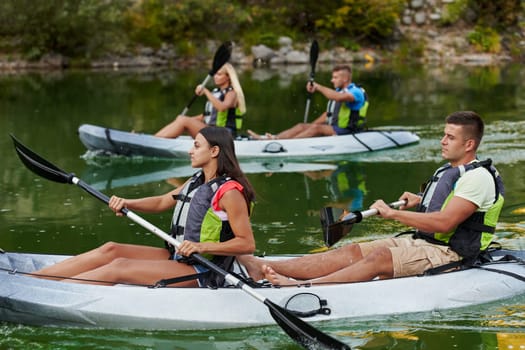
97 138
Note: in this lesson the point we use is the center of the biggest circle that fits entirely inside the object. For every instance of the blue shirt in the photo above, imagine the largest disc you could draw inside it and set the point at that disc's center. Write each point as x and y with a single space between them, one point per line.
359 97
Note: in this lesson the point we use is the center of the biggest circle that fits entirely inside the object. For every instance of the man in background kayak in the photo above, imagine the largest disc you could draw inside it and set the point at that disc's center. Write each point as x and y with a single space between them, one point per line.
455 220
345 113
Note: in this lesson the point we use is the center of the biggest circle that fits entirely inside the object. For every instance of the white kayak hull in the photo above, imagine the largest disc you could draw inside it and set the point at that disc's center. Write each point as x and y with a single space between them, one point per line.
96 138
27 300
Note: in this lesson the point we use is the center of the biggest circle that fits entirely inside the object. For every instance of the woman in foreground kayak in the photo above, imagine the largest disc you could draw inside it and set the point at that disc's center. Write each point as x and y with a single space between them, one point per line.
211 214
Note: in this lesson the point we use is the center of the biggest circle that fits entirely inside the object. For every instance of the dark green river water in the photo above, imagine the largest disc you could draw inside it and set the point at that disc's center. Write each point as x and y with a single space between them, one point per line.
44 110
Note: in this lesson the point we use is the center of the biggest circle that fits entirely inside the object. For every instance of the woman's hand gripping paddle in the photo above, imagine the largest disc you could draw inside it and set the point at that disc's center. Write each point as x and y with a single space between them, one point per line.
221 57
335 229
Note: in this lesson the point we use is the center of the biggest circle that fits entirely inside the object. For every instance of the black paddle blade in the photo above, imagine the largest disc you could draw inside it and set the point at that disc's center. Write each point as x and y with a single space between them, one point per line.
221 57
329 216
300 331
39 165
335 232
314 53
333 228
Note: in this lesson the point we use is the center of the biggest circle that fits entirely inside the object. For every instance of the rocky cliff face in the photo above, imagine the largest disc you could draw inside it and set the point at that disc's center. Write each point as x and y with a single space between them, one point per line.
423 23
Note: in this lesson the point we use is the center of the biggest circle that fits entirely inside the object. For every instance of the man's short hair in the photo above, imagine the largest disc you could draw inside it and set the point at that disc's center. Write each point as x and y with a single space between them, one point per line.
342 67
471 122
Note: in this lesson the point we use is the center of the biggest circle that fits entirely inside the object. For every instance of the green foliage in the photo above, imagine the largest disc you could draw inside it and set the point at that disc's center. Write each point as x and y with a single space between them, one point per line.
260 36
374 19
410 48
268 21
454 11
153 22
81 27
349 44
485 39
500 14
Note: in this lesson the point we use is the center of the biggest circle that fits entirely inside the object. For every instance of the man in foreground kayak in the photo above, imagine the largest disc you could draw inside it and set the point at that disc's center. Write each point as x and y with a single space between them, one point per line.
345 113
455 220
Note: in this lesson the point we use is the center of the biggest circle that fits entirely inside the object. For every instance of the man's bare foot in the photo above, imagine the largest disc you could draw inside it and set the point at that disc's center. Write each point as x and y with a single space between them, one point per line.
254 135
253 265
277 279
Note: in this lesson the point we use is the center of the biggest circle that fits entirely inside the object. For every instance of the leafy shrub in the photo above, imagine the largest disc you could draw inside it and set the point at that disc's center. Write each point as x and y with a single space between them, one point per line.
153 22
374 19
452 12
70 27
500 14
485 39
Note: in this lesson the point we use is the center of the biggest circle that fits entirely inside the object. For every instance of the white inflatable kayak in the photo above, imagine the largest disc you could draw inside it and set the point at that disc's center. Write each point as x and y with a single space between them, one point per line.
28 300
97 138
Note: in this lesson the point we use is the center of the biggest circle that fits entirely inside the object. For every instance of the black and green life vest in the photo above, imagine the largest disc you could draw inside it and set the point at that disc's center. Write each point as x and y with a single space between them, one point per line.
476 232
340 115
195 220
230 118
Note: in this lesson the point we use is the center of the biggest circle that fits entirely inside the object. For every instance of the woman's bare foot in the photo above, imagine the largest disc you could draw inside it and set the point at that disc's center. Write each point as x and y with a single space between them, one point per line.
269 136
277 279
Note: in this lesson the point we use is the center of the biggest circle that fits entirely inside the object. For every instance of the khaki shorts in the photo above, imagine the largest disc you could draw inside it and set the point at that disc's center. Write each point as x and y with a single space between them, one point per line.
412 256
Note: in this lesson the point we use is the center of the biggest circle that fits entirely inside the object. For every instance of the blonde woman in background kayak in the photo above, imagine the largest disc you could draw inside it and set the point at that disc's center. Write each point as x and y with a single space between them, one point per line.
225 107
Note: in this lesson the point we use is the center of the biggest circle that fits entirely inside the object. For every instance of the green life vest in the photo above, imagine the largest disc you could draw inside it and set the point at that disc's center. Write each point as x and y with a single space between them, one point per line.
230 118
477 231
195 220
340 115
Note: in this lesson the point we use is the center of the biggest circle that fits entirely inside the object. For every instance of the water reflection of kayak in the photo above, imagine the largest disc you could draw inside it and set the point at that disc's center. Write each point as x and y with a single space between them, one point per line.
97 138
125 173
